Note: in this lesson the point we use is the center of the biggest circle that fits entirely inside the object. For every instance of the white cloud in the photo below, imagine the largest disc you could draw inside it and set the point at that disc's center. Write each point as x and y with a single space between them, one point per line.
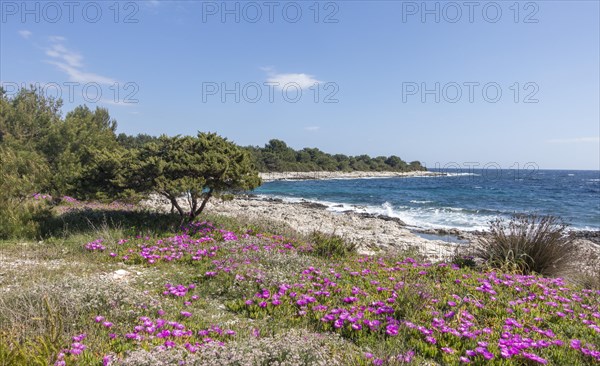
25 33
57 39
575 140
71 63
304 81
58 50
312 128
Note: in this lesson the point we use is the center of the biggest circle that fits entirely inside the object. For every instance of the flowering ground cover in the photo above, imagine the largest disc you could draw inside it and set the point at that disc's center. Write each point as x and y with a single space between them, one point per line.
212 295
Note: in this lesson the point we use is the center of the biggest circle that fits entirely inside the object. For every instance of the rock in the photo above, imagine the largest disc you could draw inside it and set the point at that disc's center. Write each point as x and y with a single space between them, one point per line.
120 274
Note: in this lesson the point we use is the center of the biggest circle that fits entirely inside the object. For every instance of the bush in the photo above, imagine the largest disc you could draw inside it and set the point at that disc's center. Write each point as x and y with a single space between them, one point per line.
528 244
23 221
330 245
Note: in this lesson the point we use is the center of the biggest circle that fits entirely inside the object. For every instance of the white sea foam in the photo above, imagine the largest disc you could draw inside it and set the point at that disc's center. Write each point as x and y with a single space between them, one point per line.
420 202
428 218
462 175
420 217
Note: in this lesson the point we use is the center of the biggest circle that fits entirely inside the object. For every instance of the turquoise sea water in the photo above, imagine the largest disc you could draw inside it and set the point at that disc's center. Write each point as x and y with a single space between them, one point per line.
460 200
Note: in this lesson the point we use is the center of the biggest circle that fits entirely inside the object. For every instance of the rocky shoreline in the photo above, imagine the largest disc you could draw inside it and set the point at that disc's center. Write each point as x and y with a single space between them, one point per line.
276 176
371 233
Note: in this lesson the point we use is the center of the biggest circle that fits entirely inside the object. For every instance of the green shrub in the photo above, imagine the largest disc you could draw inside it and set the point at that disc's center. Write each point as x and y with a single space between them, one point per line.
528 244
23 221
330 245
464 261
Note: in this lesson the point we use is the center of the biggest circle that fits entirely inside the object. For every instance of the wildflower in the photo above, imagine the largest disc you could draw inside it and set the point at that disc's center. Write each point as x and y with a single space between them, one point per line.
79 338
535 358
391 330
431 339
106 360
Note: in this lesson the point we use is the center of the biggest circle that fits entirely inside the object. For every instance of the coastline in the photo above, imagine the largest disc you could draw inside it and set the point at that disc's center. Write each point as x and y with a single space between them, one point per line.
371 233
323 175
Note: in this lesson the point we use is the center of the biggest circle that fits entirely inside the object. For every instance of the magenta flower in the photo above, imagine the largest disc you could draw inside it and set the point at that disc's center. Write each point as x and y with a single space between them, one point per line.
391 330
431 339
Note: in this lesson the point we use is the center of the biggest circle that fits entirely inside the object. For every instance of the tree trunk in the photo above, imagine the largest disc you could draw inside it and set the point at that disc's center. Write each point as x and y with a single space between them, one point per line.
174 203
204 202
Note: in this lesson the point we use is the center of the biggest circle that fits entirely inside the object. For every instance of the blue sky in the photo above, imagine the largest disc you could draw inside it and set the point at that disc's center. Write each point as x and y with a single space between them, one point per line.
369 73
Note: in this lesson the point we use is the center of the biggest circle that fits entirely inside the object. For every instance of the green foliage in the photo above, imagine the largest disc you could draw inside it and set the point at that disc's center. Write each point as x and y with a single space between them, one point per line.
464 261
528 244
71 147
21 173
31 128
200 167
40 351
276 156
330 245
135 142
27 116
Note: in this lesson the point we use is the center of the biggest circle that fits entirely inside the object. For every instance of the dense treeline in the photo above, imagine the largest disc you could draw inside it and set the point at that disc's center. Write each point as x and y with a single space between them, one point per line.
276 156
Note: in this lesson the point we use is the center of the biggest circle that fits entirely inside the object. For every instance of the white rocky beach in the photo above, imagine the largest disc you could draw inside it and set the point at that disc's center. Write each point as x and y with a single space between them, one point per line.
371 233
273 176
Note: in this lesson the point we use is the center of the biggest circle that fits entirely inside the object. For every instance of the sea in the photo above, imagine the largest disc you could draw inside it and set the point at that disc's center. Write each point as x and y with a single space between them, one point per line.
462 200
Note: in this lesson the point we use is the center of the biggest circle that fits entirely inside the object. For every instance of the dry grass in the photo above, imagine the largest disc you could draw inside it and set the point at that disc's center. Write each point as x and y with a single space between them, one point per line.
528 244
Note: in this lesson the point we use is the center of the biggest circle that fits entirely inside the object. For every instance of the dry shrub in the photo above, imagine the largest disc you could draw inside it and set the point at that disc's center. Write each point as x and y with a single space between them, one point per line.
528 244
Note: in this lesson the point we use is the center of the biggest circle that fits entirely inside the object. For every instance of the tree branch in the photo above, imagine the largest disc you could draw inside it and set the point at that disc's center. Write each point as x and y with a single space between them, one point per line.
204 202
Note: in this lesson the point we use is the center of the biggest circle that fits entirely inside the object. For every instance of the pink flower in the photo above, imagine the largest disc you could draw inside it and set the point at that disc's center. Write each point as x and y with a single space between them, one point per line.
391 330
